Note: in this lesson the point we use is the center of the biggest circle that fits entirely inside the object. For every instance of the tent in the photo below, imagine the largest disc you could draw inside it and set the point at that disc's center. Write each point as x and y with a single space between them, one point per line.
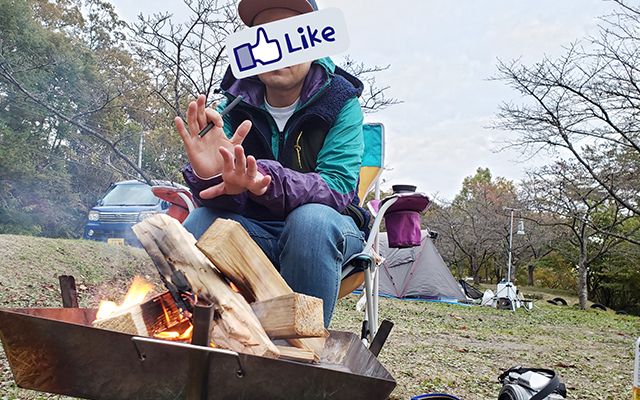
416 272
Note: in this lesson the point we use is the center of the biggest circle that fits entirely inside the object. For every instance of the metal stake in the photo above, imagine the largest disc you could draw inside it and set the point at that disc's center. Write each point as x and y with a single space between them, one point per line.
197 382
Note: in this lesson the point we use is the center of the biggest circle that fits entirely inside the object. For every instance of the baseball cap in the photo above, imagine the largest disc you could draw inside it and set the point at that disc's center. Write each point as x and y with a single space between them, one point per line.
248 9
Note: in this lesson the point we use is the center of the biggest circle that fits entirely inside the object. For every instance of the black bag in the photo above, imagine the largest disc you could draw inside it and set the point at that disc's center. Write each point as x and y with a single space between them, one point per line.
531 384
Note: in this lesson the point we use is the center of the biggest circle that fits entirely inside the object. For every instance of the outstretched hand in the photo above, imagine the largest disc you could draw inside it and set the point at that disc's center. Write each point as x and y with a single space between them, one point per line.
203 152
238 176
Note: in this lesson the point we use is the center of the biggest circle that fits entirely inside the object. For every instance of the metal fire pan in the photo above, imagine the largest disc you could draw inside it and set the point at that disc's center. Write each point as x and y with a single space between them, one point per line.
58 351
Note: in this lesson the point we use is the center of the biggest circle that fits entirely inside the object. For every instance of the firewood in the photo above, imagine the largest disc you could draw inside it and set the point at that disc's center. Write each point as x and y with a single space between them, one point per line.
128 321
161 313
168 243
143 319
293 315
294 353
228 245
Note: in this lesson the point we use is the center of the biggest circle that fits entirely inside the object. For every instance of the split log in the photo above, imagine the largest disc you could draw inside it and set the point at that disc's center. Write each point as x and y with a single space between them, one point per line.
143 319
294 353
228 245
290 316
127 321
170 245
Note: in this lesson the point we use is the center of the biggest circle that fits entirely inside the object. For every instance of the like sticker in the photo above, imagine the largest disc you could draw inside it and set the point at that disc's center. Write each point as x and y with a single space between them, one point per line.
287 42
263 52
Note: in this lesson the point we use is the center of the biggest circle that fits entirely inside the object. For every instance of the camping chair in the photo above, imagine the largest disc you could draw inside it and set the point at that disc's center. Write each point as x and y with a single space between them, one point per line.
179 197
400 210
470 291
361 268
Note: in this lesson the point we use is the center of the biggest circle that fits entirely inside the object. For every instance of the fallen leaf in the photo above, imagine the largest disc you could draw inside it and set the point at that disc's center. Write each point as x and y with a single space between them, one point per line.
563 365
462 350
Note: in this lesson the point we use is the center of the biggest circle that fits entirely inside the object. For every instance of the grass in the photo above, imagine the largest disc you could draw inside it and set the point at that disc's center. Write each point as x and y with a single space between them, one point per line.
433 347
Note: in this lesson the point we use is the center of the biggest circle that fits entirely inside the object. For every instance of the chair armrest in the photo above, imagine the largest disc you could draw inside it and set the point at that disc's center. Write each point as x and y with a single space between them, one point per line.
177 195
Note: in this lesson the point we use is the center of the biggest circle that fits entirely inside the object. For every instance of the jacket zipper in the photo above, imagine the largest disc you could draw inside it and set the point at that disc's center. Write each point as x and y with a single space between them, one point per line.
288 125
298 149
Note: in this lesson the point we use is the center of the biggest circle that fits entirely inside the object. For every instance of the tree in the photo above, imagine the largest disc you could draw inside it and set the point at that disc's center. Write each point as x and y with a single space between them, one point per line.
68 93
615 279
585 101
573 202
186 59
373 98
71 69
473 224
536 243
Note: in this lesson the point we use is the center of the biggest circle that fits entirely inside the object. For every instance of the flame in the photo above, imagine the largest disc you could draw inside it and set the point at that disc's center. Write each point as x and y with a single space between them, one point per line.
174 335
234 287
136 294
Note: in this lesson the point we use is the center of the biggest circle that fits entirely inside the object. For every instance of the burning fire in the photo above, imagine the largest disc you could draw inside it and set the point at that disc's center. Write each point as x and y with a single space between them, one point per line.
136 294
174 335
175 330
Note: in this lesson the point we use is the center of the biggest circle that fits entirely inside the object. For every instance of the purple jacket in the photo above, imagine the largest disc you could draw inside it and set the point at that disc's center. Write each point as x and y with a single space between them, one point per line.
315 160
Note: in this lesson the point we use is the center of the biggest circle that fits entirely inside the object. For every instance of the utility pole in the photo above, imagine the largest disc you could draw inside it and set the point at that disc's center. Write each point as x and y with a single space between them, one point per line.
520 232
140 150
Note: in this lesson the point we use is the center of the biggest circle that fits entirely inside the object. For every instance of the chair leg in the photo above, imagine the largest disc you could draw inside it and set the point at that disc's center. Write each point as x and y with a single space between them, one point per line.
381 337
376 292
364 333
370 314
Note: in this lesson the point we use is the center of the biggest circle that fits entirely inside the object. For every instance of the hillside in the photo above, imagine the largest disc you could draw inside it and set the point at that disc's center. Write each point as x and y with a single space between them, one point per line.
433 347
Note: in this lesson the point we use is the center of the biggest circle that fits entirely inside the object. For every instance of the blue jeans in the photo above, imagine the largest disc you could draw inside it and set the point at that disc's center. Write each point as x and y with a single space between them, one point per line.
308 248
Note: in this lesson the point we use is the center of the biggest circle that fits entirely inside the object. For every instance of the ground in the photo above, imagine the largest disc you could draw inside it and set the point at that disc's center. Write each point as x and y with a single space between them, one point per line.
433 347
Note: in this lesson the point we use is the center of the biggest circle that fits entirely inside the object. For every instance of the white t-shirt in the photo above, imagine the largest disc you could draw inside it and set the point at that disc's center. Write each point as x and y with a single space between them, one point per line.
281 114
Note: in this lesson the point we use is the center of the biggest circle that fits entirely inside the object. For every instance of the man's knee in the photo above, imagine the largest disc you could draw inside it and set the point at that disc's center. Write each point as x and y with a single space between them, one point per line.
314 219
316 226
199 220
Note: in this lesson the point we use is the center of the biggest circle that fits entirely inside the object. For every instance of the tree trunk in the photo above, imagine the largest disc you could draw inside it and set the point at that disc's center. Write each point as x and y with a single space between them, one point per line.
475 270
530 269
582 276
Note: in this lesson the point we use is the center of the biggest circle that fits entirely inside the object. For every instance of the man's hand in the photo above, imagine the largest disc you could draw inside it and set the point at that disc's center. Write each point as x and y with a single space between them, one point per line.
203 152
238 176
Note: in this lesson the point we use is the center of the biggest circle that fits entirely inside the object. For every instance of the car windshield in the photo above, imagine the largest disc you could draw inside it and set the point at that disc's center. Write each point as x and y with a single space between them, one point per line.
129 195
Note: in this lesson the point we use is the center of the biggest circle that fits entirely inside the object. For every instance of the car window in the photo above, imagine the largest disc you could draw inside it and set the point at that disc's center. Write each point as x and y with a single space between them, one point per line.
129 195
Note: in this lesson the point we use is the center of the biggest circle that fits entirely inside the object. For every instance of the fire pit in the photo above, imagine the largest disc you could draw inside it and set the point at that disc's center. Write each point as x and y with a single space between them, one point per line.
59 351
230 295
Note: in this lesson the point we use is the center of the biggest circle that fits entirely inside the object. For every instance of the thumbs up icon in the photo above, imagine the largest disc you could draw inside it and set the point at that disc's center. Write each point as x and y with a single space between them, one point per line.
265 52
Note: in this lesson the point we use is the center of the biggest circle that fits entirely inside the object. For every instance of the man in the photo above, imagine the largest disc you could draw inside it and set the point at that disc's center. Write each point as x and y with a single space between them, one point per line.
284 163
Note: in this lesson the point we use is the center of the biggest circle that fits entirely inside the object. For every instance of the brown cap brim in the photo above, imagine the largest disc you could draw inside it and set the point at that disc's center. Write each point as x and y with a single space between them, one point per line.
248 9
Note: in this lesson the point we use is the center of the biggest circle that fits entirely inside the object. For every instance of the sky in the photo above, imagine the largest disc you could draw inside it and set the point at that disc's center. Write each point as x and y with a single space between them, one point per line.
441 55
